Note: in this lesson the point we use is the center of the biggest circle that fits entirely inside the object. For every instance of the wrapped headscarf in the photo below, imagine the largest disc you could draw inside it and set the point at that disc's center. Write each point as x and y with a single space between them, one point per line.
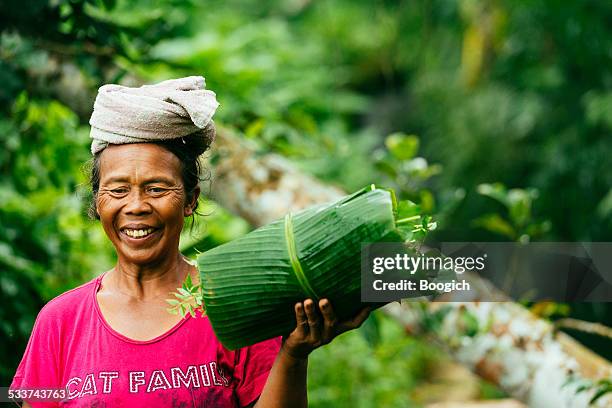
167 110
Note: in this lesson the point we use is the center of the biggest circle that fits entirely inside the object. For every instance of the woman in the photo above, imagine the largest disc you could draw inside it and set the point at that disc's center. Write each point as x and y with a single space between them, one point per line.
110 342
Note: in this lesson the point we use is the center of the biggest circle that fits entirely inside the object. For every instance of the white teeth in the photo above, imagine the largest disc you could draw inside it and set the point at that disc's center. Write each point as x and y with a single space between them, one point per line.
138 233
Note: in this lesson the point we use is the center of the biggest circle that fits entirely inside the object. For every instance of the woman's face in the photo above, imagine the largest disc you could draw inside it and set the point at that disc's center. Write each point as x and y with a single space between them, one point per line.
142 201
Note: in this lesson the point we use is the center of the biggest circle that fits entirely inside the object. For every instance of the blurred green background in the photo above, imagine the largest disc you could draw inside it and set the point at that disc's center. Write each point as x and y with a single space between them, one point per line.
495 116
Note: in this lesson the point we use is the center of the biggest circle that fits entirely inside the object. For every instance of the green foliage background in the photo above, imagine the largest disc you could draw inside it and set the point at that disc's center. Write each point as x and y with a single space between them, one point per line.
495 116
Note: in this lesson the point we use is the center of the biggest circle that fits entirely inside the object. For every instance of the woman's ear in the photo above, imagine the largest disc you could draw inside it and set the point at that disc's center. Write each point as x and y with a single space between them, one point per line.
191 205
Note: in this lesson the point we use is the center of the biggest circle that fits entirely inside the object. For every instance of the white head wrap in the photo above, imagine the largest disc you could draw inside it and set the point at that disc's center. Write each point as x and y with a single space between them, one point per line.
168 110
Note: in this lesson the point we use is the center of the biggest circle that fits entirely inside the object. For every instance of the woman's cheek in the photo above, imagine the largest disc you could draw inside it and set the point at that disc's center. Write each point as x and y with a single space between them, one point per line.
177 199
107 206
102 203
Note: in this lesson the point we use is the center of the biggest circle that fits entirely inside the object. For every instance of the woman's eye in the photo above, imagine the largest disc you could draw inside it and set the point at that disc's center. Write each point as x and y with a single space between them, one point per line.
156 189
119 190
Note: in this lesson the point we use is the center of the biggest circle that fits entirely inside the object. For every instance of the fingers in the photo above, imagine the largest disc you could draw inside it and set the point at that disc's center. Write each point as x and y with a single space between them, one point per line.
329 317
310 325
356 321
313 320
301 320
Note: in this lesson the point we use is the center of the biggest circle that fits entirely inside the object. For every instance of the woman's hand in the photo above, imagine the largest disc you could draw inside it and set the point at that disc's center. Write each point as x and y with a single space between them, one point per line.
316 328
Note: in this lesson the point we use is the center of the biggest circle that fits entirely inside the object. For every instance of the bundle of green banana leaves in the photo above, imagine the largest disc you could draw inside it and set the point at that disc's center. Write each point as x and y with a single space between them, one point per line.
250 285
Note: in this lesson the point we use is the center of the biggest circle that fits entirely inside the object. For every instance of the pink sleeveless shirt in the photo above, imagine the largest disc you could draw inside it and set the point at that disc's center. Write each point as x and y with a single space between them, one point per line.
72 347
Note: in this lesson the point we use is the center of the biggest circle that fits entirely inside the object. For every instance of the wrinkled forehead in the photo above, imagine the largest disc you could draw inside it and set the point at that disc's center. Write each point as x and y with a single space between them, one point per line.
136 162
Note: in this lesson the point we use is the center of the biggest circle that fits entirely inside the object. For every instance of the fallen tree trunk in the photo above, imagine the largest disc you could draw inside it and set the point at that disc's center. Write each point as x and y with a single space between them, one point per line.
511 347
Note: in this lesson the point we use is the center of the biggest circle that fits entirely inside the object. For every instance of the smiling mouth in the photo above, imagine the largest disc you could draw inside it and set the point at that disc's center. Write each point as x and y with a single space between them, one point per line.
138 233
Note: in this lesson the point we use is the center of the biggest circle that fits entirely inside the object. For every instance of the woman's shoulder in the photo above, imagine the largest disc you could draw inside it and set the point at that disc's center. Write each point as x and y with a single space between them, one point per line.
70 301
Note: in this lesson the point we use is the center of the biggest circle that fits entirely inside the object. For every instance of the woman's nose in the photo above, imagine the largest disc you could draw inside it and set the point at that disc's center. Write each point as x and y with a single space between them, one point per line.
137 203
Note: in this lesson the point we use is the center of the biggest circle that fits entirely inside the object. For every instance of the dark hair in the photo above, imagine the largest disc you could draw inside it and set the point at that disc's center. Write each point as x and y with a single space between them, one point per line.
188 149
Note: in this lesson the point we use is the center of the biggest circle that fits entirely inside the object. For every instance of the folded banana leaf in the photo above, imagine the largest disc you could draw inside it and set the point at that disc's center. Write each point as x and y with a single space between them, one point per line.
251 284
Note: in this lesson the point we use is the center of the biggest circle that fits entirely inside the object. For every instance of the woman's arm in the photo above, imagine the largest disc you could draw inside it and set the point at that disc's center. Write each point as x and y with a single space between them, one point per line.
286 384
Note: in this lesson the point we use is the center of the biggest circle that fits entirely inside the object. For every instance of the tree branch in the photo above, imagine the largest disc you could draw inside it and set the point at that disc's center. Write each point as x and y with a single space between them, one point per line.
586 327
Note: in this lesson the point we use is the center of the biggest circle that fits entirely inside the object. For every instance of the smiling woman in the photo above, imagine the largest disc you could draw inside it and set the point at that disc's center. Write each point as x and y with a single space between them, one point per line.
110 342
142 201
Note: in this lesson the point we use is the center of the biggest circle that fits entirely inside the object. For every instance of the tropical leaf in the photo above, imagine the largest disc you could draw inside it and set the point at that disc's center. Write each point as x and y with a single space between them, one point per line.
250 285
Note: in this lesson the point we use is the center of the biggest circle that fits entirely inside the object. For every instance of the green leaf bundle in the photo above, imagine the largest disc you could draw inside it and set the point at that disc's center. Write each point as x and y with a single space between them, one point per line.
250 285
